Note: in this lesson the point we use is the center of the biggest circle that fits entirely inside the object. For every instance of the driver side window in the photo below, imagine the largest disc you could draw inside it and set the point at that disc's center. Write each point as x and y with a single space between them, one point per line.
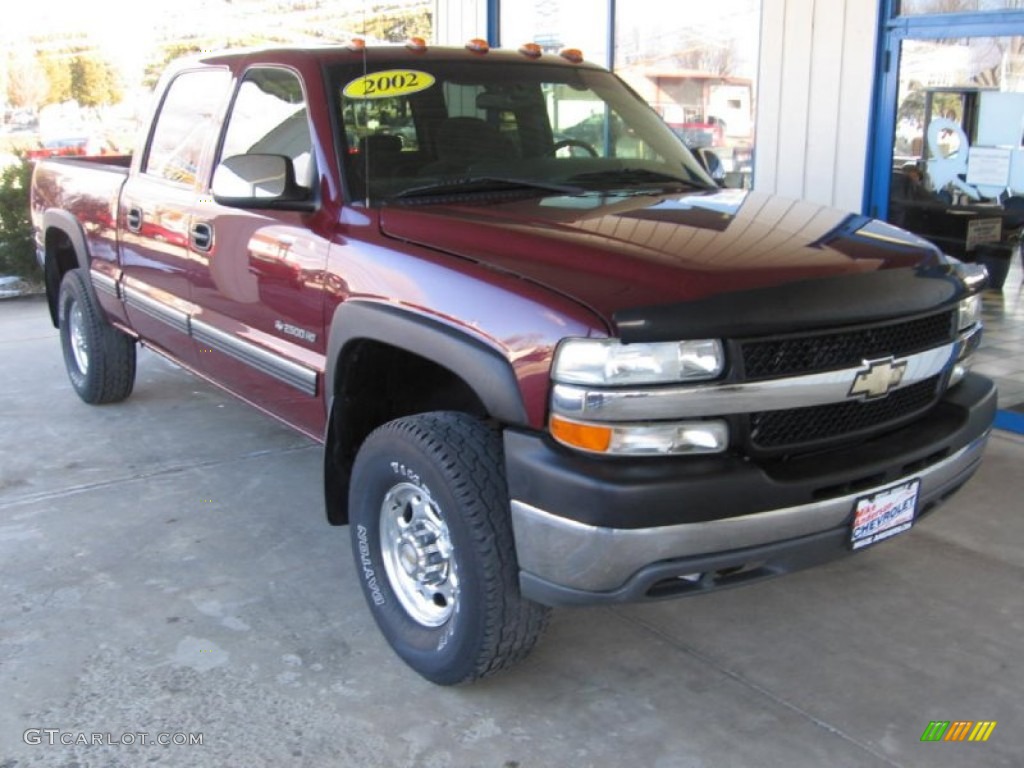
269 118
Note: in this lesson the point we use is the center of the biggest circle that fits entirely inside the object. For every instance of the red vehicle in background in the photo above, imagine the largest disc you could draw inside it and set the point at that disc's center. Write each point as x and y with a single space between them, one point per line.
63 148
74 146
697 134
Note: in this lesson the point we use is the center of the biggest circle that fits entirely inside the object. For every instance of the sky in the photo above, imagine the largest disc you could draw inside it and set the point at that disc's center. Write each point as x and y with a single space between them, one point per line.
127 32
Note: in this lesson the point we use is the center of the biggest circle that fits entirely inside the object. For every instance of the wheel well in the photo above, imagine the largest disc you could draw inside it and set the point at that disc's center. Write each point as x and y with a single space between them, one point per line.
374 384
60 258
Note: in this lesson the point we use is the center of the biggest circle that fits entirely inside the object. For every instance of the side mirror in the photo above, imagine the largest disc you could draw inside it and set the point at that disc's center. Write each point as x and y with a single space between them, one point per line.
258 181
711 163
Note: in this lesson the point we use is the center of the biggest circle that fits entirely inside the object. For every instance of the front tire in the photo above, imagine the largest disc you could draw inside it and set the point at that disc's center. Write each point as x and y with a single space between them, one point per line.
432 540
100 360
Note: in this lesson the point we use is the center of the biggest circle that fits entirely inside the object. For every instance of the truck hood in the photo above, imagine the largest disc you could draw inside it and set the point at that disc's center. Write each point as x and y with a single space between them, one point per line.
620 253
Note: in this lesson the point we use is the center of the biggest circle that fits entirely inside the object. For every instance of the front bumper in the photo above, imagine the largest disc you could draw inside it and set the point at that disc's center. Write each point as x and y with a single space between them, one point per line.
592 530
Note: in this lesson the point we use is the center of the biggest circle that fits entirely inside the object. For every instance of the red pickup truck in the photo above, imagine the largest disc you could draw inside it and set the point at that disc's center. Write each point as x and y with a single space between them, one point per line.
545 370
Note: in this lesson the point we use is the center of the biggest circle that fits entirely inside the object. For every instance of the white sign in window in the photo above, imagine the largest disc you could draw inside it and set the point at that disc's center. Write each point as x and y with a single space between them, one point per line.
988 166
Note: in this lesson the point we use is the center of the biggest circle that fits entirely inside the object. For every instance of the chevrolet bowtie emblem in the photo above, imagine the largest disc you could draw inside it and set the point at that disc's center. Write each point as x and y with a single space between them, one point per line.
877 380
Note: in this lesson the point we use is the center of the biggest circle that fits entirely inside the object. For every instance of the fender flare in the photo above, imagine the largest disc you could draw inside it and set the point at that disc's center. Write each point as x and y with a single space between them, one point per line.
55 218
484 369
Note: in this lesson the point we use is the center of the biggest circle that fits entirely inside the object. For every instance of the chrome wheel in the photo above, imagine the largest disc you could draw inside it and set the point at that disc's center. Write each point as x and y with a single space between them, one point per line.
417 552
433 546
99 358
79 341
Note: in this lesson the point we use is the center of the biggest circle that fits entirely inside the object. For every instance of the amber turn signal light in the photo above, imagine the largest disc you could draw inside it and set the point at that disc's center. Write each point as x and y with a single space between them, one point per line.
589 437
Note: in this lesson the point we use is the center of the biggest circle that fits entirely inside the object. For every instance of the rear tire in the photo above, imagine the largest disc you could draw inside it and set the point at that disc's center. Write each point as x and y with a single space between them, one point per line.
432 540
100 360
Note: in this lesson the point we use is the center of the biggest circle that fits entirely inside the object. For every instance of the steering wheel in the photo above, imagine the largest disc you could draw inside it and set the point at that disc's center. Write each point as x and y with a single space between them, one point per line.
564 143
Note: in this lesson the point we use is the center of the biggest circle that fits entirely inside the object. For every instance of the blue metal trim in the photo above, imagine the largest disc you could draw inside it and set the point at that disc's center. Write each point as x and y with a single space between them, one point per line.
883 117
1010 421
611 35
980 23
494 23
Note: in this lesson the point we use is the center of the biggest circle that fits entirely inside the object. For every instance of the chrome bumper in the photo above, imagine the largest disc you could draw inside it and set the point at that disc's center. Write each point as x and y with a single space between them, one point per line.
573 557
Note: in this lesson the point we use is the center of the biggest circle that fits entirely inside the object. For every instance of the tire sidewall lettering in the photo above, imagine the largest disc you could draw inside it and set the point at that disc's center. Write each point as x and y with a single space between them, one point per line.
369 557
410 476
366 563
455 459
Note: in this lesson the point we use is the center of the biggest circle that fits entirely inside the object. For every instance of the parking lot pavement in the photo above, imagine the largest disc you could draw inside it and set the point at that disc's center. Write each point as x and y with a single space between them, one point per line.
166 571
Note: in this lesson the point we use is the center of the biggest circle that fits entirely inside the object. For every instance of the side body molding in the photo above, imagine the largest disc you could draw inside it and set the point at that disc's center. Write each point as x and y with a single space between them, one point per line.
487 372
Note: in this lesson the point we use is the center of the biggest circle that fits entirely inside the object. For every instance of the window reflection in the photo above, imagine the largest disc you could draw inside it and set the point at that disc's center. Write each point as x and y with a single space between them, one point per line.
697 69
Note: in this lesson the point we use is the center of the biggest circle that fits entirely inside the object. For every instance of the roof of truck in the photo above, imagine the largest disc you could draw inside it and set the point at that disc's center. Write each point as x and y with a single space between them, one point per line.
474 50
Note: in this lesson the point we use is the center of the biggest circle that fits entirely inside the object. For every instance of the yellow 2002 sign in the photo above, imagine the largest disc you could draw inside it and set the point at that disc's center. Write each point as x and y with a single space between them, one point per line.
390 82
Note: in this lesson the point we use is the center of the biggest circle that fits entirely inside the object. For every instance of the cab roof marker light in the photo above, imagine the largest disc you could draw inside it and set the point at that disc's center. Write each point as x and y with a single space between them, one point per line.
356 44
575 55
478 45
416 44
532 50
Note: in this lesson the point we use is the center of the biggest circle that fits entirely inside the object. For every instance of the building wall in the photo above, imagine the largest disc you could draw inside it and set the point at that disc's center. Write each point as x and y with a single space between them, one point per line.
814 99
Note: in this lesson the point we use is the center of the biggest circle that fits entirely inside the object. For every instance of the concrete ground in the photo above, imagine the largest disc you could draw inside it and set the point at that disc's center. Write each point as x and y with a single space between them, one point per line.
165 568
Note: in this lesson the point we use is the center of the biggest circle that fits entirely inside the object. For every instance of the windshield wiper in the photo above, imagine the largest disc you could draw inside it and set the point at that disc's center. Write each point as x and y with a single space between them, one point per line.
483 184
628 177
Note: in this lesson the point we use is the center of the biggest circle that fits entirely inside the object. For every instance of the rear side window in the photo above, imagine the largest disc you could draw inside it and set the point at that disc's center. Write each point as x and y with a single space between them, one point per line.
186 125
269 117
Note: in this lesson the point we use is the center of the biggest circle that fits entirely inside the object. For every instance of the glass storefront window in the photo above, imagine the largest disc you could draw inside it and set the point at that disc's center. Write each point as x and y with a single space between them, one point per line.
698 72
919 7
557 24
393 22
958 153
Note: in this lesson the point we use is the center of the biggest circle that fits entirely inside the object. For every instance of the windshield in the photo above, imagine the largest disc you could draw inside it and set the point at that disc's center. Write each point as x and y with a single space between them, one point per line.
481 127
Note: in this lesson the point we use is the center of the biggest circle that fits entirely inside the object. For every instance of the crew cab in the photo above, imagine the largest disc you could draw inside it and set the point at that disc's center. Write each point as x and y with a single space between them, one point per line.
546 370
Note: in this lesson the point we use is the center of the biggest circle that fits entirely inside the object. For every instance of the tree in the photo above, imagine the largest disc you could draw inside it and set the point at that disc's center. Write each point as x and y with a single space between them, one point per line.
27 84
396 25
94 81
58 75
713 59
164 56
17 252
4 77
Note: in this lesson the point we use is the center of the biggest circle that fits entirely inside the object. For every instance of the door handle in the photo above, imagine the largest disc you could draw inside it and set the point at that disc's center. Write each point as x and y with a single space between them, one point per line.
202 236
134 218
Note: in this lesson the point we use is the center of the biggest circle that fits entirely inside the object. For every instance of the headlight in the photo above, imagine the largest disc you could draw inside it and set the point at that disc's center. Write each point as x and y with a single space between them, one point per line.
969 312
609 362
969 344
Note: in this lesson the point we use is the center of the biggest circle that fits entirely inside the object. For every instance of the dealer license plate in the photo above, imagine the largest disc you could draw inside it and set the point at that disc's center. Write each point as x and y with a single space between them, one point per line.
884 514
